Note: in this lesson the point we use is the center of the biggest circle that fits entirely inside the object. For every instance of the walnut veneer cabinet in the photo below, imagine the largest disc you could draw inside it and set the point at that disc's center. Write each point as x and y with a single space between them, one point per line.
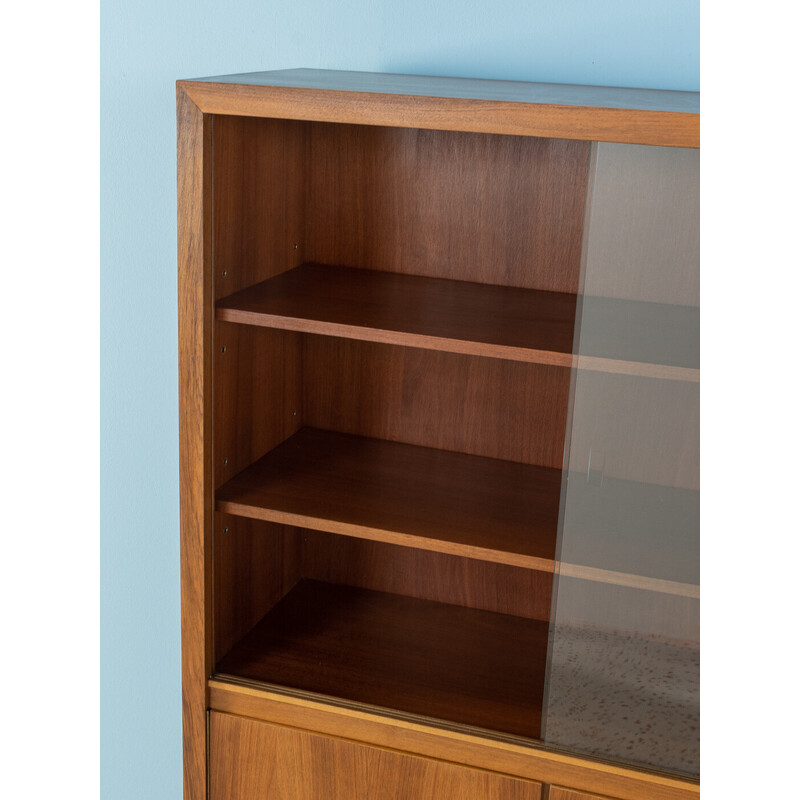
439 382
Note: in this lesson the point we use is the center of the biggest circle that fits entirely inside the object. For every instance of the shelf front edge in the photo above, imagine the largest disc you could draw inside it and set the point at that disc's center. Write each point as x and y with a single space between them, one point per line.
384 535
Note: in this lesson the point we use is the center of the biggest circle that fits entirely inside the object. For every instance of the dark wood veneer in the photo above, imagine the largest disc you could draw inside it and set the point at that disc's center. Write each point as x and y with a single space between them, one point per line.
403 494
434 313
443 661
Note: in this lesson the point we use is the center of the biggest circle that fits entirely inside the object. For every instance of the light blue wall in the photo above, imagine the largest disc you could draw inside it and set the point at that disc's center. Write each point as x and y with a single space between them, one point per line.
146 46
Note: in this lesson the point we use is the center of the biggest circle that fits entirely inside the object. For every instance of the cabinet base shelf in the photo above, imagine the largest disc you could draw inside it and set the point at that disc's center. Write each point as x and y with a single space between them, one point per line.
442 661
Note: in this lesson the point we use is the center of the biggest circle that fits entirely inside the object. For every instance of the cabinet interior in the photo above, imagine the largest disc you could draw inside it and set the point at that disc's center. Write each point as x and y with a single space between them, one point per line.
390 411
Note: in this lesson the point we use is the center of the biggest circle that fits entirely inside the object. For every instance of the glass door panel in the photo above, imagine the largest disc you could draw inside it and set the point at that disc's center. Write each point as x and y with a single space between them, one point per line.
623 662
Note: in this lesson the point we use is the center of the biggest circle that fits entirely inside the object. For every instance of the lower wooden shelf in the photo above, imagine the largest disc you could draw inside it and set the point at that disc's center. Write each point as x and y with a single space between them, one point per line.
441 661
466 505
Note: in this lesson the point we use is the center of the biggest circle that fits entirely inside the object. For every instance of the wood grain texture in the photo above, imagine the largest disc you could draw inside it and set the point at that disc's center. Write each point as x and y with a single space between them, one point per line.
403 494
258 169
252 760
457 664
255 565
424 574
510 757
196 496
257 394
481 406
560 793
619 336
581 122
489 209
437 314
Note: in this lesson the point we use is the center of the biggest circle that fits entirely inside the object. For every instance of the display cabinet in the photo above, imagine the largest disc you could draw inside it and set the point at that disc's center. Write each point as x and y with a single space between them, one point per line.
439 381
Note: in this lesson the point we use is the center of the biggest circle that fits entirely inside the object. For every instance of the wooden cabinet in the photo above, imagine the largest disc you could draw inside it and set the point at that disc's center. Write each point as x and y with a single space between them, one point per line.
252 760
390 289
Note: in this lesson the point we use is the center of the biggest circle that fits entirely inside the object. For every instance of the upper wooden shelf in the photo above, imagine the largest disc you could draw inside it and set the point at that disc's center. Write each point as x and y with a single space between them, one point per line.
600 113
431 313
421 497
620 336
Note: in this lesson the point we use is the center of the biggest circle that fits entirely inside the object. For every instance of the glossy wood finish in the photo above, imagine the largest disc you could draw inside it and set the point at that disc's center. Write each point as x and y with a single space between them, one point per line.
578 114
425 574
403 494
490 209
437 314
509 756
481 406
443 661
252 760
196 493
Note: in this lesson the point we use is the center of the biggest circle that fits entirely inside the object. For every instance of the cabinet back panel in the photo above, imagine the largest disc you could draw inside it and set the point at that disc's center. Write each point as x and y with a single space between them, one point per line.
425 574
468 404
475 207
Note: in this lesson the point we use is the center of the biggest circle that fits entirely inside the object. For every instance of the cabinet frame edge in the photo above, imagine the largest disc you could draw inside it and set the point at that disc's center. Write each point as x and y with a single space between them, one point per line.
196 499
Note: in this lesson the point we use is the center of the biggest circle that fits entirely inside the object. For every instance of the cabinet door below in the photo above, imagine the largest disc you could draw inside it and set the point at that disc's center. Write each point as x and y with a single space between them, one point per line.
557 793
253 760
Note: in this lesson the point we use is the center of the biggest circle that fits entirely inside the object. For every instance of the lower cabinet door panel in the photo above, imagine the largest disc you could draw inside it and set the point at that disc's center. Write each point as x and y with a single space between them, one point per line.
557 793
251 760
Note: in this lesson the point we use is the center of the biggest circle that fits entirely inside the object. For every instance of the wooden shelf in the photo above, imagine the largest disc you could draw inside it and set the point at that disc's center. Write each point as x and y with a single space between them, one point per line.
443 661
431 313
403 494
620 336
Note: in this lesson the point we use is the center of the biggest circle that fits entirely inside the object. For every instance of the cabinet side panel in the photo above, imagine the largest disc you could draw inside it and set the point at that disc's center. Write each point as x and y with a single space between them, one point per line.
258 199
255 565
472 207
194 350
252 759
257 394
481 406
257 405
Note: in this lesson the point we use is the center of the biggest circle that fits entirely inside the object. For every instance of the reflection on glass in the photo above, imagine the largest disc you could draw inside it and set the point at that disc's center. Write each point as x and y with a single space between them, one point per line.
623 679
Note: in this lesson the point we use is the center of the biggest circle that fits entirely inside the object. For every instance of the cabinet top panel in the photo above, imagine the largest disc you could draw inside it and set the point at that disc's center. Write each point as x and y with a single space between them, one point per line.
599 113
470 89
